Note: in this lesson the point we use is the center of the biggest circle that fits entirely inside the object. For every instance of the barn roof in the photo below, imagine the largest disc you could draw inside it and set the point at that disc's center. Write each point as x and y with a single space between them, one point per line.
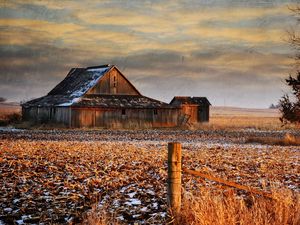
80 80
178 100
75 85
103 101
120 101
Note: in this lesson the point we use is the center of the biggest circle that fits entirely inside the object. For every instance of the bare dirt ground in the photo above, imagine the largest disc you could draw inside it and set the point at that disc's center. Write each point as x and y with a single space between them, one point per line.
56 176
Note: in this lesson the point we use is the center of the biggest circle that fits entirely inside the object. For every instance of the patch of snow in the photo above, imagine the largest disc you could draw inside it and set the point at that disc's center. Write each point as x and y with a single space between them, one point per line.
119 218
100 70
74 100
15 201
150 192
19 222
11 129
131 194
133 201
144 209
97 74
7 210
155 205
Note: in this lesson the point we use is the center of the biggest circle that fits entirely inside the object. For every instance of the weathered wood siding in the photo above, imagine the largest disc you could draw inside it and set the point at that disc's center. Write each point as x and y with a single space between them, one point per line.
62 115
29 113
47 114
130 118
113 82
191 111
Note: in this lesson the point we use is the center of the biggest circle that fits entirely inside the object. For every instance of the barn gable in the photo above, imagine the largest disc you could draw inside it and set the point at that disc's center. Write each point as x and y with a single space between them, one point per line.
105 79
113 82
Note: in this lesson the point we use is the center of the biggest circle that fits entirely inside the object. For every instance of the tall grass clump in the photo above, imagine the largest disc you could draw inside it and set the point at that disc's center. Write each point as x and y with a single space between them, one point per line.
11 118
207 208
286 140
99 216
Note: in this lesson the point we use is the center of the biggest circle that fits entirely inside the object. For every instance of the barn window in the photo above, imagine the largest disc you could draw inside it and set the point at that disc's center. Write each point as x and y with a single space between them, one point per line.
123 112
155 111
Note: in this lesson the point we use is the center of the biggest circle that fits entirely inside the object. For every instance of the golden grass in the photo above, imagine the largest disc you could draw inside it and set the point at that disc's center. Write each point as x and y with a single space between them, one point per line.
209 208
227 118
99 217
220 122
6 110
287 140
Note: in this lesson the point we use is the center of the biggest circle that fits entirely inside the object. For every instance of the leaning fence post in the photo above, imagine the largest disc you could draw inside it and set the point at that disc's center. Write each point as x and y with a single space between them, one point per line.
174 176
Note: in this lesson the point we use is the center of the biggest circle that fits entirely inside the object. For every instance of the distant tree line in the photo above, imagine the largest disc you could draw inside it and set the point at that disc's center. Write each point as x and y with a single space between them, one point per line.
273 106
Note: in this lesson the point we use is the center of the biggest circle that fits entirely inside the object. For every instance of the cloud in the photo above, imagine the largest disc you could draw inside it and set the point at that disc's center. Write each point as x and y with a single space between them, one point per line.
196 48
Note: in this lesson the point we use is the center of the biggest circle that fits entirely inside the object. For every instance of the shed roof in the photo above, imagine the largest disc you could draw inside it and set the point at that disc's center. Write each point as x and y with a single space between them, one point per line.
178 100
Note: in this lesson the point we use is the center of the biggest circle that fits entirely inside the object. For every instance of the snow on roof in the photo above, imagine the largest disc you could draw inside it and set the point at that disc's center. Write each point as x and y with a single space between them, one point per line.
78 82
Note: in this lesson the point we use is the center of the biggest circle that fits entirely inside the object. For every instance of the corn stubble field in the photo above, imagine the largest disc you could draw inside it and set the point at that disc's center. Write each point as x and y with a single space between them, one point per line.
119 177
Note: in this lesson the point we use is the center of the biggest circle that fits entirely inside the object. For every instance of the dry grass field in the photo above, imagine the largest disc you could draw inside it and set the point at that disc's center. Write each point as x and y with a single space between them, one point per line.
237 118
110 176
9 108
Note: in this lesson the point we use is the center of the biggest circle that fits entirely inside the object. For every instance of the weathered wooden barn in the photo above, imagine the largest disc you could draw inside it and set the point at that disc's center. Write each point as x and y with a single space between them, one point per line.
102 96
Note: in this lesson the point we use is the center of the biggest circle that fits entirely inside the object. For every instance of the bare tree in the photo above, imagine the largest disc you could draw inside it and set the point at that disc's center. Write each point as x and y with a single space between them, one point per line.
290 106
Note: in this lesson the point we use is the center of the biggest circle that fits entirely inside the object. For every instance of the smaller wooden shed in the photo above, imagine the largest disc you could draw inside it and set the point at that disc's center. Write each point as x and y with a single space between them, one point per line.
197 108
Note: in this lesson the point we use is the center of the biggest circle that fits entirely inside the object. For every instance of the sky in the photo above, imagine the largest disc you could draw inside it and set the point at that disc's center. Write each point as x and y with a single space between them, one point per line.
234 52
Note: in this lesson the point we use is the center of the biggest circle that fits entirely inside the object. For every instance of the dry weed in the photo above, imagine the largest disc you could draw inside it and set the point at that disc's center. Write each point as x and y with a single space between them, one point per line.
99 216
287 140
209 208
245 122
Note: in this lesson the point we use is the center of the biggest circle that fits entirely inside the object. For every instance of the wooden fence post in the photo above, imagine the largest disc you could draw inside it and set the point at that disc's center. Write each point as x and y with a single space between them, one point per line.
174 176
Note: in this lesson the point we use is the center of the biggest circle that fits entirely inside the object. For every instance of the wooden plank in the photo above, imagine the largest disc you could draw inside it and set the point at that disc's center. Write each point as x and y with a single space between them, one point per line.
228 183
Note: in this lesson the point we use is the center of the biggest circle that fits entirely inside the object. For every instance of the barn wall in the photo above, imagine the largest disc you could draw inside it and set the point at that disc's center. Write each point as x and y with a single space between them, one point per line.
113 83
133 118
61 115
47 114
29 113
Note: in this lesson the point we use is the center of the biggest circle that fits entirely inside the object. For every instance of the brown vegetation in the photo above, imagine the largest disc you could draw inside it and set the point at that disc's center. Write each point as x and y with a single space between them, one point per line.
287 140
9 119
9 114
230 118
227 208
